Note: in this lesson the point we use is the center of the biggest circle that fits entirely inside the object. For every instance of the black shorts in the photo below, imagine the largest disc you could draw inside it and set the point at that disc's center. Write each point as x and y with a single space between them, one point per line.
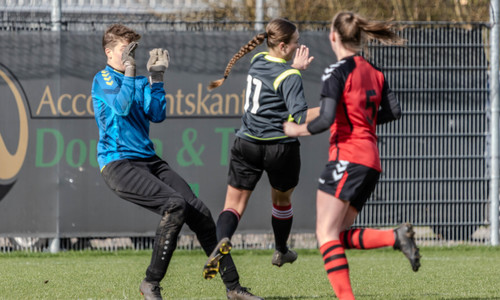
281 161
349 182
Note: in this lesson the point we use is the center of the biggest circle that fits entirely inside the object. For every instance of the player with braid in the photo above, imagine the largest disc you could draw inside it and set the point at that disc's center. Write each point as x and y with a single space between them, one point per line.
274 93
124 106
355 97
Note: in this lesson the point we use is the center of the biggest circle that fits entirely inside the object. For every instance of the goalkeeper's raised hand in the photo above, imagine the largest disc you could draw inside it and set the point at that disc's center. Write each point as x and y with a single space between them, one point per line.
157 64
128 59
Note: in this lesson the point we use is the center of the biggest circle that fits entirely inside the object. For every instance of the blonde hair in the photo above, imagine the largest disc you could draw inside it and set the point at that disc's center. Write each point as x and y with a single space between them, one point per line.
355 31
277 30
116 33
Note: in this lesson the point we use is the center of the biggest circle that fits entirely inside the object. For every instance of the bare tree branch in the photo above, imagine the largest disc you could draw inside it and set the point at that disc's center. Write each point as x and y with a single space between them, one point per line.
324 10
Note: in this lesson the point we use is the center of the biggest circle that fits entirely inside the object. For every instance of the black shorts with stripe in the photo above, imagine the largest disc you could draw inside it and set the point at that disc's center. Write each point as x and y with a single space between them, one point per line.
349 182
249 160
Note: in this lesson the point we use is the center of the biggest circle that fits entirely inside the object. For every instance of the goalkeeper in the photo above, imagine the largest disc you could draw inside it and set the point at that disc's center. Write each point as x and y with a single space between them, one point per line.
124 106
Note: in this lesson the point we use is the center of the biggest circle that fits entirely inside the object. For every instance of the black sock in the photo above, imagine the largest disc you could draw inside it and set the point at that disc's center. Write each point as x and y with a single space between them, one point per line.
227 224
228 273
281 230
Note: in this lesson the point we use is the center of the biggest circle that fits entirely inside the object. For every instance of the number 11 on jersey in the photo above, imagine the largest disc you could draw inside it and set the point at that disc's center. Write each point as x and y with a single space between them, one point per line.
255 85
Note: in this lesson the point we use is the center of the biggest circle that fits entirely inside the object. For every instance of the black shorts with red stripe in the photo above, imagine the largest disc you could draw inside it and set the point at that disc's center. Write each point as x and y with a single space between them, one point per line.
349 182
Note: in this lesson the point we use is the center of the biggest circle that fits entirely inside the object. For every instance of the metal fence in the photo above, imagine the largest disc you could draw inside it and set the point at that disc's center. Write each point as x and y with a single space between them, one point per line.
80 14
435 159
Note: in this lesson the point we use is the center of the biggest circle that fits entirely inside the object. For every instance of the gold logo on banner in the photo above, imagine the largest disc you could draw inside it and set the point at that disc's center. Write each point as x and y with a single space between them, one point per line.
11 163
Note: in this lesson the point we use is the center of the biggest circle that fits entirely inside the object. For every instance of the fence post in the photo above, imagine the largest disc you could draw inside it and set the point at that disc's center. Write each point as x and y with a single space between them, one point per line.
54 243
55 16
495 103
259 15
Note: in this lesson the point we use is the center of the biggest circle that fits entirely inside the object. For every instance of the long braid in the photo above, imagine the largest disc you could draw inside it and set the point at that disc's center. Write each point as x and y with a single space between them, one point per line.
252 44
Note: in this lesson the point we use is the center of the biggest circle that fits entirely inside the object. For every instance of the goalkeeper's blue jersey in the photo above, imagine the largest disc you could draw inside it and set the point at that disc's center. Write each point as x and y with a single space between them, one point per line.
274 94
123 108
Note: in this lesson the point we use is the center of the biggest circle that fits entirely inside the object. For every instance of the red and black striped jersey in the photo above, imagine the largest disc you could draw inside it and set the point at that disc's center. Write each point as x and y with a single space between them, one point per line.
359 89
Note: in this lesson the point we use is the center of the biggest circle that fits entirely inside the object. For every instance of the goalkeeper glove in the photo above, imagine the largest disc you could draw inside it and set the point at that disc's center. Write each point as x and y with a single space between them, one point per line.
157 64
128 59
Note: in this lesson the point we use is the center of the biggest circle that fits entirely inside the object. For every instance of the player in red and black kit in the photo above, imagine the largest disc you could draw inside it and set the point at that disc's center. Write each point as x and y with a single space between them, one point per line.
355 97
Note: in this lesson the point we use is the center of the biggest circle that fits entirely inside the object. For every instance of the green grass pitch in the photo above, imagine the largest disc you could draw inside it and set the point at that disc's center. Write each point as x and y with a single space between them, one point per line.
461 272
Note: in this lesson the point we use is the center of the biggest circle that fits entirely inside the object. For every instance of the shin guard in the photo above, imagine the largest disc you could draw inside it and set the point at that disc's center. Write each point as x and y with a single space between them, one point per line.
166 239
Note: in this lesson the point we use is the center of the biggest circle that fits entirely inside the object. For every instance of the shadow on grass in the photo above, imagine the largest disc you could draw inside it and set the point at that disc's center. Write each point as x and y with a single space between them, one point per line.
471 298
284 298
368 297
295 297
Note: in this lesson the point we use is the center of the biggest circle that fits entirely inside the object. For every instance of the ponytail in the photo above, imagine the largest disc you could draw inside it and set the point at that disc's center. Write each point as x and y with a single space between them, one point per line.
381 31
355 31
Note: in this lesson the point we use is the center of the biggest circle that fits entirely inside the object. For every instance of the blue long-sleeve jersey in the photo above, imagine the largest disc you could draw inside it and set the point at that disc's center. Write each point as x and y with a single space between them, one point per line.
123 108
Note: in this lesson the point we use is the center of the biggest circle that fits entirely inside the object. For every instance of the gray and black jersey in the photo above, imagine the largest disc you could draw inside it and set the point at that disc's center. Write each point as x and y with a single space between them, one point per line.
274 94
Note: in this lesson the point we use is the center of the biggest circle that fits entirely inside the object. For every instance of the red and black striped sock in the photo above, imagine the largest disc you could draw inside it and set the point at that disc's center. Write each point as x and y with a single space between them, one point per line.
337 269
367 238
